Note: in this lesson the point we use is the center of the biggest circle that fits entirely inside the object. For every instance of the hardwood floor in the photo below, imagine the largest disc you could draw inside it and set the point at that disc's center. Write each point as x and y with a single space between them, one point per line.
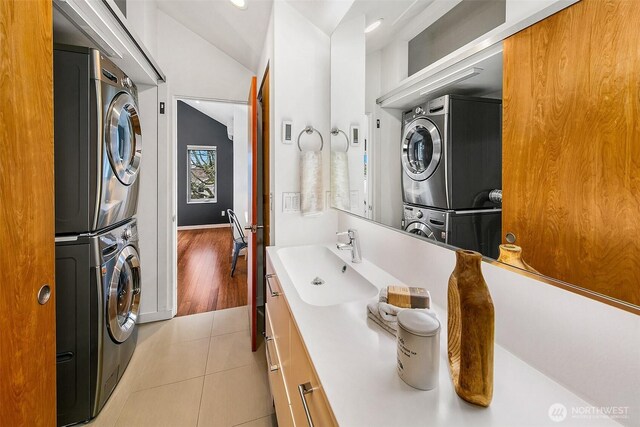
204 272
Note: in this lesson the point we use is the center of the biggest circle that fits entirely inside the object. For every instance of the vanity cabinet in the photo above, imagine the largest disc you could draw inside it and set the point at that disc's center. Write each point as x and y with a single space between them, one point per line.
297 393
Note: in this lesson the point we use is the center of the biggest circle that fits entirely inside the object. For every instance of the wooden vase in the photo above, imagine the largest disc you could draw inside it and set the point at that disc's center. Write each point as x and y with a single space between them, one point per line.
512 255
470 330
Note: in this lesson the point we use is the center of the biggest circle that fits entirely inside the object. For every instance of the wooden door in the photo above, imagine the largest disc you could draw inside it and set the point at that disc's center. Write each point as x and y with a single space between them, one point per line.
252 250
571 145
27 328
266 129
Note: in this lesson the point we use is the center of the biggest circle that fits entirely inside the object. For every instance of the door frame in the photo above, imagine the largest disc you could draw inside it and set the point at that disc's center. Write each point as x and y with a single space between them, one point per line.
173 161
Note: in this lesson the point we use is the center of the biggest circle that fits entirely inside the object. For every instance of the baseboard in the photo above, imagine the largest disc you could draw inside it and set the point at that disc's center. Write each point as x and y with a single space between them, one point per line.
196 227
154 316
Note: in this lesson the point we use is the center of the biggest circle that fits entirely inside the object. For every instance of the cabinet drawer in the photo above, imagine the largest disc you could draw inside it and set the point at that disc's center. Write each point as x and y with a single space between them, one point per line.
276 379
279 314
304 387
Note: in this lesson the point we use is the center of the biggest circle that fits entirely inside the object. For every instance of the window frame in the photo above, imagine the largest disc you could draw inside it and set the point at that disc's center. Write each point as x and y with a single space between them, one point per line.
191 148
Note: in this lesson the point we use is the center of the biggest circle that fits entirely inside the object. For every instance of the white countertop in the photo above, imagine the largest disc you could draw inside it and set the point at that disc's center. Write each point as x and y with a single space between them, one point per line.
356 363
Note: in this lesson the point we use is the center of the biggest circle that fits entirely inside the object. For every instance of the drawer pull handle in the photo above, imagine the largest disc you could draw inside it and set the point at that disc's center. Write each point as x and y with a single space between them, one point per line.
305 389
267 277
272 367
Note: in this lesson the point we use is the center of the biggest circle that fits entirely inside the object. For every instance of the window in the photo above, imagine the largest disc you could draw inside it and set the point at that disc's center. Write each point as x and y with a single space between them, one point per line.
201 174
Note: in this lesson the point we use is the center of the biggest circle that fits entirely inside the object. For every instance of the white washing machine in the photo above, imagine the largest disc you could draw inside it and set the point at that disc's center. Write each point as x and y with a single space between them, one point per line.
97 142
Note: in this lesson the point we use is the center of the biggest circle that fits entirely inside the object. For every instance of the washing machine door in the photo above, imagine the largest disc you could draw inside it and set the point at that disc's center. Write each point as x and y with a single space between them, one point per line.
421 149
124 138
123 299
421 229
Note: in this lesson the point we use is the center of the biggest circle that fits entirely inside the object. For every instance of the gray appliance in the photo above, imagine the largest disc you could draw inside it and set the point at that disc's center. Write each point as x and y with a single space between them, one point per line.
452 152
98 141
97 302
476 230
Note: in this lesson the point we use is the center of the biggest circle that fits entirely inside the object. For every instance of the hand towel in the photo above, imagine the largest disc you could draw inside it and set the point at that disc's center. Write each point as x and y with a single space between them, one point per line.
373 313
311 198
340 189
385 314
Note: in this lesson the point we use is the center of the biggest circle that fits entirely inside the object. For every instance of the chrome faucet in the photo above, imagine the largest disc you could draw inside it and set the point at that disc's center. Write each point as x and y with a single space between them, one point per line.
353 245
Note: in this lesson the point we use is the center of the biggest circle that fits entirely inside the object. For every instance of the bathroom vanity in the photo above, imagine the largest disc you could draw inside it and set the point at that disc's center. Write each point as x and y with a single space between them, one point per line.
319 337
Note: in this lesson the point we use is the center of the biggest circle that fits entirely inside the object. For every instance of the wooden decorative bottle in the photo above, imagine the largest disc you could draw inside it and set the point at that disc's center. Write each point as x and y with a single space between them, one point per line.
470 330
512 255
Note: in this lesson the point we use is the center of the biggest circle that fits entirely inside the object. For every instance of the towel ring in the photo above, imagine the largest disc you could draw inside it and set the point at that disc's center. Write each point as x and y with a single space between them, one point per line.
310 130
336 131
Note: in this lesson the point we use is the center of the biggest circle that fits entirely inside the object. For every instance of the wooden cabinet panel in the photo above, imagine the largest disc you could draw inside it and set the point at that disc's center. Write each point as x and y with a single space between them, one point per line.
571 151
302 372
27 329
295 367
279 312
276 380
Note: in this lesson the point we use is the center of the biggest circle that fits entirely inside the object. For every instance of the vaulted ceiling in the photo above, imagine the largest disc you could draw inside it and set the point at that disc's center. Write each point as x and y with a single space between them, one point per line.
238 33
241 33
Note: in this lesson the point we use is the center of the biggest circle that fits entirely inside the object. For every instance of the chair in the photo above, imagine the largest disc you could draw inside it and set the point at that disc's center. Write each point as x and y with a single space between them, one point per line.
237 234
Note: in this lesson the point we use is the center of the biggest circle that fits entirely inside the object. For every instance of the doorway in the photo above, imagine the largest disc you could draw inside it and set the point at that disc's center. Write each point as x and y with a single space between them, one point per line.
211 164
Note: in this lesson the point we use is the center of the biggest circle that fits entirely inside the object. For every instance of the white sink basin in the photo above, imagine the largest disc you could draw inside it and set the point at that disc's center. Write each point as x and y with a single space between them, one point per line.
338 281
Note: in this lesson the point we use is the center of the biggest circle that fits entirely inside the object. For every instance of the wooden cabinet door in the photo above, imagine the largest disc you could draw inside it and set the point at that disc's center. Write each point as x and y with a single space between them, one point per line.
301 373
571 168
276 378
27 248
280 317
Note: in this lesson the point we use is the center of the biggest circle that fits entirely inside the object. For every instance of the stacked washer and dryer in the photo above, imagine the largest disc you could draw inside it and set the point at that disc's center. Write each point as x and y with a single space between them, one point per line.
97 141
452 172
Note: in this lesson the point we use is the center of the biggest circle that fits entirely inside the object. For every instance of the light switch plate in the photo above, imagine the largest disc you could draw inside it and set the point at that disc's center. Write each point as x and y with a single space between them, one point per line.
355 200
290 202
354 135
287 132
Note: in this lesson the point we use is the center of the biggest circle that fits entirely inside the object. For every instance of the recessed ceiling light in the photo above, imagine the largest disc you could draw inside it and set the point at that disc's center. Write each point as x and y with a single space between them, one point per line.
375 24
240 4
197 102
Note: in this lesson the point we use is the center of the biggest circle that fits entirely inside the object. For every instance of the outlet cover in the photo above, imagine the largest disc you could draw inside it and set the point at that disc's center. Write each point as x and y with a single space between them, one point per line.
355 200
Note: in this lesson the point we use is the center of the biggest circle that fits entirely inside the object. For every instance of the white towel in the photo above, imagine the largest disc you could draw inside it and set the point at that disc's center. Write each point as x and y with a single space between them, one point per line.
386 315
373 313
340 189
311 202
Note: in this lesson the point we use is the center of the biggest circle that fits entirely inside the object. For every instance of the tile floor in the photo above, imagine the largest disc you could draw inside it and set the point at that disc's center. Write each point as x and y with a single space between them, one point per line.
195 370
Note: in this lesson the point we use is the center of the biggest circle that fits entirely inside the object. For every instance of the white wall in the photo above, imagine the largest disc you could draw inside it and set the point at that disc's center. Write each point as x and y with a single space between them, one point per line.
148 198
240 162
385 147
394 64
348 46
591 348
266 60
142 16
301 93
267 50
195 67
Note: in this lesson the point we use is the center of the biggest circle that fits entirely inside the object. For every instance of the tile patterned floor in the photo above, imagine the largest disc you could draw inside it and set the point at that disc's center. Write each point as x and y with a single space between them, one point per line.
193 371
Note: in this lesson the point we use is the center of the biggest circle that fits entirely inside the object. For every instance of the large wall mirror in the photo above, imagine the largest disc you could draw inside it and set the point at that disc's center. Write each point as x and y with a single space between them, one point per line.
477 124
